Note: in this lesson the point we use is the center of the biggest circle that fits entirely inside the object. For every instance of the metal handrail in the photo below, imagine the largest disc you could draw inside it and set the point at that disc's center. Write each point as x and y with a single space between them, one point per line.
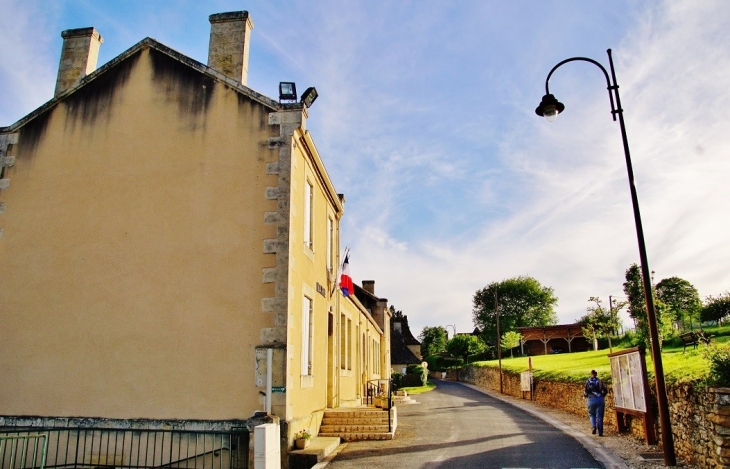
377 387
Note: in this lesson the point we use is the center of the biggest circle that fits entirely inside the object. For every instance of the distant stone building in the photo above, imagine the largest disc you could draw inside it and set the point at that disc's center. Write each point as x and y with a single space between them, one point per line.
405 349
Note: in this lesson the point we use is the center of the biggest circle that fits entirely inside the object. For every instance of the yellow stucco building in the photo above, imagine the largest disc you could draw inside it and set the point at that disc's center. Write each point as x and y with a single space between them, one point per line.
170 248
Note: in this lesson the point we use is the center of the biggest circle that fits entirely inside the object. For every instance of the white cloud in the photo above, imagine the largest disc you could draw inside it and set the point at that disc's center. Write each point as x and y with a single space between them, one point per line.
569 221
425 121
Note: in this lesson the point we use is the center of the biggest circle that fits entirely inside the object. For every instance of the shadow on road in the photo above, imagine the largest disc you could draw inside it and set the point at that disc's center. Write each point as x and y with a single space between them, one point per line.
357 454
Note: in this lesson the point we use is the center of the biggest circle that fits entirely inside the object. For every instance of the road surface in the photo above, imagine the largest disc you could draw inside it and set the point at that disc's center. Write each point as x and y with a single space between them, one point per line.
457 427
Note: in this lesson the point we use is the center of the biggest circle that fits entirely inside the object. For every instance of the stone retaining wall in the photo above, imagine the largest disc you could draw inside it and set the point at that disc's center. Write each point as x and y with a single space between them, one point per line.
700 418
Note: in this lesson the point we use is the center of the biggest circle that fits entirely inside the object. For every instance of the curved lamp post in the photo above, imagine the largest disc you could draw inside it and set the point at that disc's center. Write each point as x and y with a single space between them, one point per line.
549 108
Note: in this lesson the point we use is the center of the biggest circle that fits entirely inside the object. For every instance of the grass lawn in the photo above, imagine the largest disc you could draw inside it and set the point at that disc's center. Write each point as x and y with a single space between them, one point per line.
575 367
419 389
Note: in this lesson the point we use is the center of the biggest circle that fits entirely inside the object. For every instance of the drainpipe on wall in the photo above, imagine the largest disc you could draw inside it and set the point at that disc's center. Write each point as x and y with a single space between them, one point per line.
269 374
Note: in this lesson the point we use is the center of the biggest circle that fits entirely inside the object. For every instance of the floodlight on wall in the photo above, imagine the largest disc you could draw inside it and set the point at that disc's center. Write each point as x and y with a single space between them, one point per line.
309 96
287 91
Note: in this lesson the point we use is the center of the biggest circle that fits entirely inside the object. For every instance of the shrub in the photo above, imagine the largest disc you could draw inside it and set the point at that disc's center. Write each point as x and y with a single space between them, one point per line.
435 362
397 379
419 371
719 357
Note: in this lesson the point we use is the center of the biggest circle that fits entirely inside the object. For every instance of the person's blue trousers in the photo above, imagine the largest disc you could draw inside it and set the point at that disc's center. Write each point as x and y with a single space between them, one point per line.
596 408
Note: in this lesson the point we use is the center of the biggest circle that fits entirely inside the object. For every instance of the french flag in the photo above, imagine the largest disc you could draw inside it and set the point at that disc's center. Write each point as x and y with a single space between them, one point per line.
345 280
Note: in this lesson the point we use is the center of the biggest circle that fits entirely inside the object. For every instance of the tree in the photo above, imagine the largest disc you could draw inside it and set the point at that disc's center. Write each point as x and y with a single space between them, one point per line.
463 345
510 340
601 322
433 340
681 299
522 302
634 290
716 308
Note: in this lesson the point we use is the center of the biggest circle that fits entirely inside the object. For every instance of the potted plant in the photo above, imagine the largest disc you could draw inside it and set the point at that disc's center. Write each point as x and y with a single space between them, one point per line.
301 439
381 400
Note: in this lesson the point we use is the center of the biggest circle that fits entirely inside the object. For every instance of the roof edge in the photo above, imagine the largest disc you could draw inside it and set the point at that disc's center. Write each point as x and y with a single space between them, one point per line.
153 44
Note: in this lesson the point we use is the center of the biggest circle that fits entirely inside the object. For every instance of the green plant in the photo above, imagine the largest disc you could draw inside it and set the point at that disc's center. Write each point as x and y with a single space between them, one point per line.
303 435
418 370
435 362
719 357
397 379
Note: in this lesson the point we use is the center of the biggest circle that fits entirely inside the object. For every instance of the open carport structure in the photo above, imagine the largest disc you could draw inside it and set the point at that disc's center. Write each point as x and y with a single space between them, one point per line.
542 340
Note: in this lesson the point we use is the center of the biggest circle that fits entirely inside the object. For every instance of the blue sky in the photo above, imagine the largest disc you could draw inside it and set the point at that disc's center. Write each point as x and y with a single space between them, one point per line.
425 120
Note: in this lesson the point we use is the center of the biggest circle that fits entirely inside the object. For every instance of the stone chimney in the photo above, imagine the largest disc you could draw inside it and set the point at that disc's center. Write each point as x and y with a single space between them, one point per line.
369 286
79 55
229 40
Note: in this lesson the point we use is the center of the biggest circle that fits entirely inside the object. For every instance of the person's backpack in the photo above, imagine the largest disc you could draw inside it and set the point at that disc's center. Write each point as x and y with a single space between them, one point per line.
595 388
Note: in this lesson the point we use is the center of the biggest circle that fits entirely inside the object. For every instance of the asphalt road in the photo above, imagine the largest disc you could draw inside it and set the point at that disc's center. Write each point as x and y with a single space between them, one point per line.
455 426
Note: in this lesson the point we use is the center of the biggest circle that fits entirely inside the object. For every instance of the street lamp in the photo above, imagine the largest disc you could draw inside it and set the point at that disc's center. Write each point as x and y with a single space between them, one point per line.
447 330
549 108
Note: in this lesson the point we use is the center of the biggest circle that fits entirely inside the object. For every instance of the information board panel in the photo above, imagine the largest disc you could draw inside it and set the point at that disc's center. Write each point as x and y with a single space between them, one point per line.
628 375
526 381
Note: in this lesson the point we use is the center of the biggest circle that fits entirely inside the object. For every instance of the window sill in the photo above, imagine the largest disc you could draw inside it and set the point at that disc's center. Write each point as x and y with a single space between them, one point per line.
306 381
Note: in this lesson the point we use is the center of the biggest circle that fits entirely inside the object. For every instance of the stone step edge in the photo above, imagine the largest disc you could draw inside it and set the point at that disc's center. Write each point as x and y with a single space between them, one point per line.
319 447
353 428
358 436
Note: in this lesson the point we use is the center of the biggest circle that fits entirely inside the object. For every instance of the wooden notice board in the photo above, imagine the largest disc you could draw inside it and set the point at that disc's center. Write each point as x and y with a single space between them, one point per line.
631 389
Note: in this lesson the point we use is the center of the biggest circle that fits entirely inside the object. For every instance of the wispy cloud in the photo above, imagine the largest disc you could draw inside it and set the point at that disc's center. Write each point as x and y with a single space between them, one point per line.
425 121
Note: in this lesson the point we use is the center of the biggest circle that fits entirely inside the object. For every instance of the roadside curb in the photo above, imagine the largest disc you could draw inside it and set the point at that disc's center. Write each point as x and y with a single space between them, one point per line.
606 457
330 457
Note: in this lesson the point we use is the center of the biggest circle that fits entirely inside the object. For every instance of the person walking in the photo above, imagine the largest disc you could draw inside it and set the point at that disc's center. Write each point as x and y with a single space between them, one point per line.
595 392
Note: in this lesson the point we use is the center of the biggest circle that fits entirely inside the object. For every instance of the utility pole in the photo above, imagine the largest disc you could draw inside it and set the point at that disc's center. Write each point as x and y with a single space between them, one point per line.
499 344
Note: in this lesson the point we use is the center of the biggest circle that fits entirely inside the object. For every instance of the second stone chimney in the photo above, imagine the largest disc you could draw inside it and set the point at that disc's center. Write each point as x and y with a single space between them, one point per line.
79 55
369 286
229 40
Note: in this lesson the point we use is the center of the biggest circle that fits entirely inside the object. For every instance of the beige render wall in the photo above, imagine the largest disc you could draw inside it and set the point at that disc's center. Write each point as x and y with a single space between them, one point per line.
132 251
308 277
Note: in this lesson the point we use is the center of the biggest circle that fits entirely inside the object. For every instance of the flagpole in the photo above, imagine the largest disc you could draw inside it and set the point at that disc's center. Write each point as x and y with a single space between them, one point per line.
336 281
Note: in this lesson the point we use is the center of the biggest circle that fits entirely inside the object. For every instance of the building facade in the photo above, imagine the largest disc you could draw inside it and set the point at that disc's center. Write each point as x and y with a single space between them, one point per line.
169 249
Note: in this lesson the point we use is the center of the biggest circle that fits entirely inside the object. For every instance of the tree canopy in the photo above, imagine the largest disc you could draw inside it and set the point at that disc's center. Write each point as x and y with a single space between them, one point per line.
716 308
522 302
634 290
510 340
681 299
601 322
433 340
463 345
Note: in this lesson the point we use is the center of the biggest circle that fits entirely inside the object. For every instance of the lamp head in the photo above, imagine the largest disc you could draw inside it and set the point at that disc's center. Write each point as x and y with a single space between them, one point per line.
287 91
309 95
549 108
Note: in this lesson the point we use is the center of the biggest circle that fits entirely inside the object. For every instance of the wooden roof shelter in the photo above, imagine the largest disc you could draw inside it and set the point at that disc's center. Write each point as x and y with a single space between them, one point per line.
556 336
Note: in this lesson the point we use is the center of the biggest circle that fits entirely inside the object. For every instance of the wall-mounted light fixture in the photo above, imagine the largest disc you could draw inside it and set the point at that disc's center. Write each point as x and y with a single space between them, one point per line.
309 96
287 91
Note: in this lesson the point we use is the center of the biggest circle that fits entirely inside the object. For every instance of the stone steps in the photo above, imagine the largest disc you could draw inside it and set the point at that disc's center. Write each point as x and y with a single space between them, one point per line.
319 448
359 424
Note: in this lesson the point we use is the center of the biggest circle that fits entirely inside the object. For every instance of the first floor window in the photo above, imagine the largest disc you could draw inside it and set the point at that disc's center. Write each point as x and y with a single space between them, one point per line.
343 342
307 336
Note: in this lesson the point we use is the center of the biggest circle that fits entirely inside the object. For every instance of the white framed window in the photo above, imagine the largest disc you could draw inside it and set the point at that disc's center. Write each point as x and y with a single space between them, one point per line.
349 344
308 214
343 342
330 243
307 337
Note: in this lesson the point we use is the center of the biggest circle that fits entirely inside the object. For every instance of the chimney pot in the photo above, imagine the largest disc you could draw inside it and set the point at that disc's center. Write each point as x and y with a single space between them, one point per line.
369 286
79 55
230 34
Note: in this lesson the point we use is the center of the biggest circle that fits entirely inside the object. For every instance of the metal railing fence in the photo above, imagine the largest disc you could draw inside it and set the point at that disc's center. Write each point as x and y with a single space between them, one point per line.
23 451
125 448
